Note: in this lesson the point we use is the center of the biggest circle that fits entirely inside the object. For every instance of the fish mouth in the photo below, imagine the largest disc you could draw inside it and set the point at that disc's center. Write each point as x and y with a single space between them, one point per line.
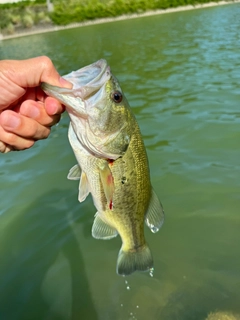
93 75
86 82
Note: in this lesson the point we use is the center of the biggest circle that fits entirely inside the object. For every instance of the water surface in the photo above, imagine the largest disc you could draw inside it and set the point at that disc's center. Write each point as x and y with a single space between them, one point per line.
181 75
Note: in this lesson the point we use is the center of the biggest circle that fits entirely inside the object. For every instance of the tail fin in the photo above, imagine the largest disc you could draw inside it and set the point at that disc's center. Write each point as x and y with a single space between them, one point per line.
130 261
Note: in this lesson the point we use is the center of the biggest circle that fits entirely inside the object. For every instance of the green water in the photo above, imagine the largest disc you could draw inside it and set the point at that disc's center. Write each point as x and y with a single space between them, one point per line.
181 75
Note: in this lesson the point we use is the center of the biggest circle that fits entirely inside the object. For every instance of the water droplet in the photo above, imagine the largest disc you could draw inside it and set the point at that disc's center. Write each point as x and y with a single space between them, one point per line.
154 229
121 304
127 285
137 307
151 272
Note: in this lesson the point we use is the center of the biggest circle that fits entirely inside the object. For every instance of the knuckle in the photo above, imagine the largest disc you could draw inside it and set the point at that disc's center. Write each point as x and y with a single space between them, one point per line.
55 119
10 138
32 129
28 144
42 133
46 133
46 62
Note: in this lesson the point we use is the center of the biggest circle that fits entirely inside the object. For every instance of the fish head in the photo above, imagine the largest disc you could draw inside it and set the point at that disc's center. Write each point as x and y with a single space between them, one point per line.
99 112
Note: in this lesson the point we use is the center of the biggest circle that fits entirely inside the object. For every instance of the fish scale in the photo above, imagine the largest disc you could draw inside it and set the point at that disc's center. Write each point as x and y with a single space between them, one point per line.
112 163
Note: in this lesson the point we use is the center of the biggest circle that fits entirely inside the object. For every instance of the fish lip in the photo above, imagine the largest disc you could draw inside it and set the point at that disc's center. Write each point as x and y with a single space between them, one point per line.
103 68
61 94
86 82
50 89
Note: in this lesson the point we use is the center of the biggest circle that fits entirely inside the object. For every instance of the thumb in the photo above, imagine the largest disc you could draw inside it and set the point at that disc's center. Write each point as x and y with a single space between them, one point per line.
31 72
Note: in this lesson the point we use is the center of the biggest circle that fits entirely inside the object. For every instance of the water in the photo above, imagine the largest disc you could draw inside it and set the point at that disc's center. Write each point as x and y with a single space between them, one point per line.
181 75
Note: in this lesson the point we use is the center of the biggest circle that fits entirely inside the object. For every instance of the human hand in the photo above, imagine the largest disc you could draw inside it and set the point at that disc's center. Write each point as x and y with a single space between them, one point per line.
26 113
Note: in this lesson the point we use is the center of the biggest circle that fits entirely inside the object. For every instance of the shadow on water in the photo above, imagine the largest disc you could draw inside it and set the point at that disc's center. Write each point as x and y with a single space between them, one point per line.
192 302
42 263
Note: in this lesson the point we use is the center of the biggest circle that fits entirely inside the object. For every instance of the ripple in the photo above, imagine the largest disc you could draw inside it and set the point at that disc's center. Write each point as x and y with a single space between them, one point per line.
180 73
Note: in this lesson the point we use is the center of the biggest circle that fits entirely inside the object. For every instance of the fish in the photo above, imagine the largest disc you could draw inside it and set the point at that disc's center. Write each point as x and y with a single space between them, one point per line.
112 163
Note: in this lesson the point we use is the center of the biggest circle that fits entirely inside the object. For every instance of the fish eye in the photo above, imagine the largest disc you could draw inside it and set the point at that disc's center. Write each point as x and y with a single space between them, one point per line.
116 96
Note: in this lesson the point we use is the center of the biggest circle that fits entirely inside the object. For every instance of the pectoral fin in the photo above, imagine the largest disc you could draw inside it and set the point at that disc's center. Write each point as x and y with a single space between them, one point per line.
155 215
107 181
74 173
83 188
101 230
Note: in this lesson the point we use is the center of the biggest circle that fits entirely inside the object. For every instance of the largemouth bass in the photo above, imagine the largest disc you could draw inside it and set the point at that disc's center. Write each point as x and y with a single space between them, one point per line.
112 162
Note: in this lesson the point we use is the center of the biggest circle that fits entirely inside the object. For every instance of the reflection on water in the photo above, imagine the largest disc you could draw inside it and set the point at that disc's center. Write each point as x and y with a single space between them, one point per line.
180 73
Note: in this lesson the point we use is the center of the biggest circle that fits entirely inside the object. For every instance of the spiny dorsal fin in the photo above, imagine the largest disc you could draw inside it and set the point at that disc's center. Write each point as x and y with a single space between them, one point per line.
155 215
101 230
83 188
74 173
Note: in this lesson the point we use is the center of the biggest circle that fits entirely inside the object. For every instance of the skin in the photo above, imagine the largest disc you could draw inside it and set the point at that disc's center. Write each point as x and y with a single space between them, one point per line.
26 113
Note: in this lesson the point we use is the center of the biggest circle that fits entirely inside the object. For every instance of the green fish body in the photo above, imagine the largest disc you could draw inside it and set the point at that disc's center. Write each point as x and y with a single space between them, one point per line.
112 163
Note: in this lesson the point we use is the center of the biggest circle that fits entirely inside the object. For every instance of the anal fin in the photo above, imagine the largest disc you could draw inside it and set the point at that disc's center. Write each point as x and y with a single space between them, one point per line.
101 230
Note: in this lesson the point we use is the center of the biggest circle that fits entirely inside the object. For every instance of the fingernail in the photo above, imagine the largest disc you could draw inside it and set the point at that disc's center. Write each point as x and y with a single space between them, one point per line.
33 112
11 121
65 83
52 106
